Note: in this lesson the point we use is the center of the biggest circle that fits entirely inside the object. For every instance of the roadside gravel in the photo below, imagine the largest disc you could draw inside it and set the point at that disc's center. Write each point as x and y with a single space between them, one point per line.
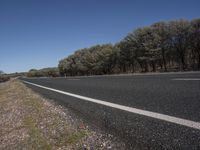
30 121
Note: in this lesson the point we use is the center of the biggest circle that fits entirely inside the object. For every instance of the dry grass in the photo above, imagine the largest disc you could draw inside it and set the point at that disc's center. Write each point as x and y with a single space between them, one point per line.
29 121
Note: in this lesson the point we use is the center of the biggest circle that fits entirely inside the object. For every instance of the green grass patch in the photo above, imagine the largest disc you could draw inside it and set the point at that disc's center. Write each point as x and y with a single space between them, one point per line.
76 136
36 140
34 103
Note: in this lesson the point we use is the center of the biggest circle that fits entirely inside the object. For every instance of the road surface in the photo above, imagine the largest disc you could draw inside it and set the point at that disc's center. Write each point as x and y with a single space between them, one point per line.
158 111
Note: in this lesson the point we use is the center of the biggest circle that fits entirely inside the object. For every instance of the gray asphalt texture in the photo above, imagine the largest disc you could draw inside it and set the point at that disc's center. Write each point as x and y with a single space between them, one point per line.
157 93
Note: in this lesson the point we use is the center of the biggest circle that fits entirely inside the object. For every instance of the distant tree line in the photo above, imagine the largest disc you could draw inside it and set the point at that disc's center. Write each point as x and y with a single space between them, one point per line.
3 77
45 72
16 74
163 46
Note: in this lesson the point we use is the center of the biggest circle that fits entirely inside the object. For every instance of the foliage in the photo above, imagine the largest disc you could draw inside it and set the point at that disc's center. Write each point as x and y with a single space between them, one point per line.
4 78
99 59
45 72
162 46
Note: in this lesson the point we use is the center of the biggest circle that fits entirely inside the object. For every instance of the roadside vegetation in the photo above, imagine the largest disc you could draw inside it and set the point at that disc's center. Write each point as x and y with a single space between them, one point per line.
45 72
163 46
3 77
29 121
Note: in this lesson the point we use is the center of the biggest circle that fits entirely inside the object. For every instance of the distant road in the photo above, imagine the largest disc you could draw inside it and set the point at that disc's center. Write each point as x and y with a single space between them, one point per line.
155 111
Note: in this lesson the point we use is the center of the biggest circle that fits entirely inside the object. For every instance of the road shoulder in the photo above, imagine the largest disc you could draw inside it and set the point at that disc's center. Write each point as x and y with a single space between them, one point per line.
27 120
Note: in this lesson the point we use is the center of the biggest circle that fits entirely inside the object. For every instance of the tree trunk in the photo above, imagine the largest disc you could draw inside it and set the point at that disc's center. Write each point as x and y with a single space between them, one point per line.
164 63
153 66
199 62
146 66
183 65
133 67
164 60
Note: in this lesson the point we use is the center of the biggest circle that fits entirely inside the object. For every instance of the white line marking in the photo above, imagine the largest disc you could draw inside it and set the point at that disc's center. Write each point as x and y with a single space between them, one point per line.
73 79
184 122
187 79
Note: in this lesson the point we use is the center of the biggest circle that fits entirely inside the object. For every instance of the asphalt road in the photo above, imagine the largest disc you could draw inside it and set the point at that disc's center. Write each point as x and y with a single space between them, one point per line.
175 95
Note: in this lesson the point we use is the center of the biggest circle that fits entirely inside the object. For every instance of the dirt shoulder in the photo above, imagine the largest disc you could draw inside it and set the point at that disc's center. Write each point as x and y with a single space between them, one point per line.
29 121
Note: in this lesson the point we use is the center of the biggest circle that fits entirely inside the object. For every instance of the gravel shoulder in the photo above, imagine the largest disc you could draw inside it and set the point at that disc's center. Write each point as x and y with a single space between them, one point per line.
30 121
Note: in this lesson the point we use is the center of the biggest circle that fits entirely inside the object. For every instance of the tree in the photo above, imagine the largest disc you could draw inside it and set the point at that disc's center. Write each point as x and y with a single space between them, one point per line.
179 40
161 46
128 53
195 38
107 58
145 47
161 40
45 72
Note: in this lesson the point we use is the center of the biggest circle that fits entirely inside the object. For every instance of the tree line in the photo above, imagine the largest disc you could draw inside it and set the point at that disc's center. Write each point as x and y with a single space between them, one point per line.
45 72
3 77
162 46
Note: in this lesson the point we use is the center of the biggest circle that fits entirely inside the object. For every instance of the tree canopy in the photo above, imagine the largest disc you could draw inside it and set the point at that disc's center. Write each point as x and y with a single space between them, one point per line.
162 46
45 72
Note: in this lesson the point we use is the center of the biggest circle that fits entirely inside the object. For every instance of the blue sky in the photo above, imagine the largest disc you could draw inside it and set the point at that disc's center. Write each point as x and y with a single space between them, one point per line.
38 33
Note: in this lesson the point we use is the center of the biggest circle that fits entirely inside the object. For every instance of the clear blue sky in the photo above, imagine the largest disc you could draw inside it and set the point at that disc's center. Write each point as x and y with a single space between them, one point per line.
38 33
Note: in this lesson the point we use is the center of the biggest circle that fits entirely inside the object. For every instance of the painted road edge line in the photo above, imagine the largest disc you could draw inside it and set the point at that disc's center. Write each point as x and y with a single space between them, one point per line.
187 79
180 121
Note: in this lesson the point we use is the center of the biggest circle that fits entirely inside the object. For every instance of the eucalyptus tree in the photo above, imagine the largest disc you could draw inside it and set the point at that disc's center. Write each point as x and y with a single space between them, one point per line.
151 47
65 66
147 50
61 67
179 35
128 53
161 34
107 58
134 49
195 38
161 45
81 61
